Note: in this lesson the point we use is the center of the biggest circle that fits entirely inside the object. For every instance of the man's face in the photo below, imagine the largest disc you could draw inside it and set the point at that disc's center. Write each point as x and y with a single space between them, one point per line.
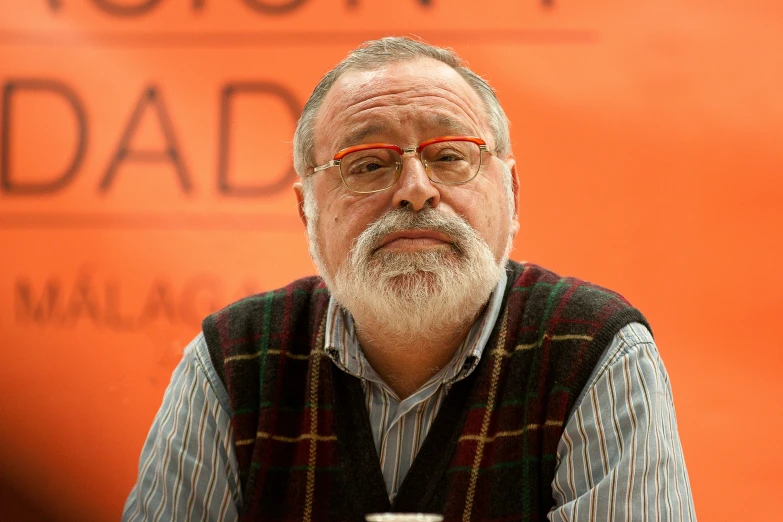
405 103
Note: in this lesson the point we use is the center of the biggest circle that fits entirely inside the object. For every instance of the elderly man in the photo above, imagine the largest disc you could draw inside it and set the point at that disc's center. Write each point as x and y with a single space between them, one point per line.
423 371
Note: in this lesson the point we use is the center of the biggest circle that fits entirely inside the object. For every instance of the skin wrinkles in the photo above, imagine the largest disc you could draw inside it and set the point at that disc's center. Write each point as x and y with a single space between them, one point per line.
403 96
358 110
401 113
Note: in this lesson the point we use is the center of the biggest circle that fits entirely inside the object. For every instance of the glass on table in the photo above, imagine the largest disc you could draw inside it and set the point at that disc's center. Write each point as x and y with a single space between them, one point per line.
403 517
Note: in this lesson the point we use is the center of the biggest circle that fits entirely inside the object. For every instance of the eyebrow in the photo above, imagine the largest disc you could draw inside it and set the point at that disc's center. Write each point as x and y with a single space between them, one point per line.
452 126
358 136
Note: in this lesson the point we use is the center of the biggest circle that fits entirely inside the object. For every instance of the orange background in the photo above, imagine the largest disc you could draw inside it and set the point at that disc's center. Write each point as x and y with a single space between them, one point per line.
649 138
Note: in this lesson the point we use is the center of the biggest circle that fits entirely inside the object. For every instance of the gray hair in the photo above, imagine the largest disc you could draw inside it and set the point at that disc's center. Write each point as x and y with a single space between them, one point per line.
376 54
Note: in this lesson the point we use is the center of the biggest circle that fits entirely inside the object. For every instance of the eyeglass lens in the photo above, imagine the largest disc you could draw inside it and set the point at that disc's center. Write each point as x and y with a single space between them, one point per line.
376 169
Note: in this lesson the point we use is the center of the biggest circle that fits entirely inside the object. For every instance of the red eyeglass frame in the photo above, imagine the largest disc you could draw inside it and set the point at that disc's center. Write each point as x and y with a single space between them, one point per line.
335 162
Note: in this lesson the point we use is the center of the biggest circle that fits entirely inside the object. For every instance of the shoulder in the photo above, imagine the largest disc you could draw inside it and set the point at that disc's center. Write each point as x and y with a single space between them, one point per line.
563 325
283 317
631 338
563 301
532 278
631 344
266 309
633 349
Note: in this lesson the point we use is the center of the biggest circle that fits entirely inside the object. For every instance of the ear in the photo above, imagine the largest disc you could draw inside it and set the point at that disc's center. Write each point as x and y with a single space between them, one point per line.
299 191
512 165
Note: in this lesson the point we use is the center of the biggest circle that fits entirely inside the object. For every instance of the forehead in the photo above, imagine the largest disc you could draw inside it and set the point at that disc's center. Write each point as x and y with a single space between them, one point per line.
407 100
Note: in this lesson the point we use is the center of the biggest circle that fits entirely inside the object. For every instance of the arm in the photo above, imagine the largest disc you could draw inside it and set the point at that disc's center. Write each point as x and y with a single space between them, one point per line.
188 468
620 458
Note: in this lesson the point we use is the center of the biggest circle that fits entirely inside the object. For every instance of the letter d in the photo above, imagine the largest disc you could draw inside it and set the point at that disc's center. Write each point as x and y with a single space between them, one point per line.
56 182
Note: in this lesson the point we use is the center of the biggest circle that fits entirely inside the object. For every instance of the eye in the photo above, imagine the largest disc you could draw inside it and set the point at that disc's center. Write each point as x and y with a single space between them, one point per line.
447 152
371 161
356 168
370 167
445 156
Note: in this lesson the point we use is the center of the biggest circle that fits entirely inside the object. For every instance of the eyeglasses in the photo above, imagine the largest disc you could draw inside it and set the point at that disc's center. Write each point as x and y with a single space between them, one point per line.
449 160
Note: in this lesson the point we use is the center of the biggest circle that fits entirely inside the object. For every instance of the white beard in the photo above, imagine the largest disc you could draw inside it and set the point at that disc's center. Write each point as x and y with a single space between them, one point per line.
411 293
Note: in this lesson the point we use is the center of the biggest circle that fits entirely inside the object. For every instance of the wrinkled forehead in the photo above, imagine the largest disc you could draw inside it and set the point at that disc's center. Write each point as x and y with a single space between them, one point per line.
431 90
446 124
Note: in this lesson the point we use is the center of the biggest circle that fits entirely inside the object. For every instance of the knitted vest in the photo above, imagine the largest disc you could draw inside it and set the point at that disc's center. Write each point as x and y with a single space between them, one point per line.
302 433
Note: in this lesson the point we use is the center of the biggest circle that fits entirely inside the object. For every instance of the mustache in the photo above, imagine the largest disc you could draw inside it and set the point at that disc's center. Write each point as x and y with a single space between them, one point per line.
455 227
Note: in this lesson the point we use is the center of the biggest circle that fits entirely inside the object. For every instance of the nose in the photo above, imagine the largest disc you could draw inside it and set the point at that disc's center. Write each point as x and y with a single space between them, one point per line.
414 188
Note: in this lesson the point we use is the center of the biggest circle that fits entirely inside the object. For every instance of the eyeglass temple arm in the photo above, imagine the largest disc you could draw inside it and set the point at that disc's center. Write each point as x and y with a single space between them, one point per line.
486 149
332 163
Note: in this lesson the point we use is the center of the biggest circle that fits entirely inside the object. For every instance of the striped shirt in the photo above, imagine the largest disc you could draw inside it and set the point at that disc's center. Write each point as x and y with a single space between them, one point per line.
619 458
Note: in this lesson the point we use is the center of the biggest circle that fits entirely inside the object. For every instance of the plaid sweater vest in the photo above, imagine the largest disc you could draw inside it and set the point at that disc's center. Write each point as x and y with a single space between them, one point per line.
302 433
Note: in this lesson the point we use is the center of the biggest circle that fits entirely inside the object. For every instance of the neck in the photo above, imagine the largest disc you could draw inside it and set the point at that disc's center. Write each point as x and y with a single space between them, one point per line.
407 361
